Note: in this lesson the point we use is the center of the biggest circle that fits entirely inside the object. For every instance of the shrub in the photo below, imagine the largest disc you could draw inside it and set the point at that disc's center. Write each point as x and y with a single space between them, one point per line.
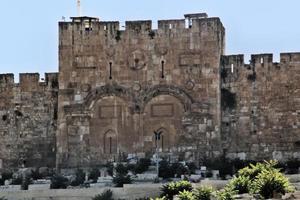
120 179
165 170
203 193
79 179
269 182
171 189
240 184
293 166
16 181
3 198
5 176
178 169
110 169
142 166
192 167
59 182
226 194
106 195
94 174
121 169
186 195
25 183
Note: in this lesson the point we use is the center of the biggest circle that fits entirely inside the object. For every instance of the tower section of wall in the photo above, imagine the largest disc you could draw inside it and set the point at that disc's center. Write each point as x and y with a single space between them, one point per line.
118 86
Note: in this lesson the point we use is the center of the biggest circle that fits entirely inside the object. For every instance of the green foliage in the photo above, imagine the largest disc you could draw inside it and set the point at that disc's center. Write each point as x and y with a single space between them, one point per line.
270 181
94 174
25 183
293 166
59 182
16 181
240 184
192 167
110 169
120 179
171 189
186 195
226 194
106 195
80 178
159 198
203 193
167 170
5 176
3 198
121 169
142 166
262 178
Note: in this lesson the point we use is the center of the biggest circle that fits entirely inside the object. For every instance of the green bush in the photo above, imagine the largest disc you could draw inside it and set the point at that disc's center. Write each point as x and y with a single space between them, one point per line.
121 169
292 166
110 169
59 182
186 195
17 181
203 193
142 166
226 194
94 174
106 195
171 189
5 176
165 170
79 179
262 178
269 182
240 184
120 179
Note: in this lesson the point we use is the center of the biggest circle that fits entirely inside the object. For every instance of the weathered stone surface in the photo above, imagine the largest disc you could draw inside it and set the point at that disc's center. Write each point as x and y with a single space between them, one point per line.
116 87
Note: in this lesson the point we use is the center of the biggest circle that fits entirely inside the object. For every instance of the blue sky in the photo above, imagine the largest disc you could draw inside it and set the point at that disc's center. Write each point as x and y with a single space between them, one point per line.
28 35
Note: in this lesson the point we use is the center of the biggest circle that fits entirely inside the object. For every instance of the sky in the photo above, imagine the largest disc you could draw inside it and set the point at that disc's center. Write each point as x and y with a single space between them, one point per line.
29 28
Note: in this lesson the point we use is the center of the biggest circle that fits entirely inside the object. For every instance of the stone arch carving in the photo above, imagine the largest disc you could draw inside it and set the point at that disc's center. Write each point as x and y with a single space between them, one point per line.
110 142
110 90
176 92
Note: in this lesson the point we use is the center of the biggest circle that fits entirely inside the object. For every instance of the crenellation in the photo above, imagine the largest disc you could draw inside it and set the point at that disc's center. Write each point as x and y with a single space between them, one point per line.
290 58
116 86
6 79
166 25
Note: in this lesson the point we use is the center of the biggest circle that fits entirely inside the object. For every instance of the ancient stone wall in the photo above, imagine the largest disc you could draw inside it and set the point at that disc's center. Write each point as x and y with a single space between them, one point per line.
28 114
261 106
118 86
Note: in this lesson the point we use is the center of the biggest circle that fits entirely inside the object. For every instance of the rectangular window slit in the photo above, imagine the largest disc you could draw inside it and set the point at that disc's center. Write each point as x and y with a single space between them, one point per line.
110 70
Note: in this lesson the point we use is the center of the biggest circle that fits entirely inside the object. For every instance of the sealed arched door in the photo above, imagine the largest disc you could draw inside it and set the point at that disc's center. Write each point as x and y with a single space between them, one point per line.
110 142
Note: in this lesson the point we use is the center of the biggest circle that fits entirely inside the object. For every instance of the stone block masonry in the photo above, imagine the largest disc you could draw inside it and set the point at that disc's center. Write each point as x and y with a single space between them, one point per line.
116 87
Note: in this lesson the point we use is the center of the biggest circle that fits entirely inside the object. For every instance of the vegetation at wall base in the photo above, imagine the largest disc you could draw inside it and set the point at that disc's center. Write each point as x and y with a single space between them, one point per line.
169 190
59 182
106 195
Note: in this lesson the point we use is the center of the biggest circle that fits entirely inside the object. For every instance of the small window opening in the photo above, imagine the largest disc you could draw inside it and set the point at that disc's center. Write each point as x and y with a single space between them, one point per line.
110 145
170 26
88 26
110 70
162 69
232 68
105 28
4 117
261 60
136 62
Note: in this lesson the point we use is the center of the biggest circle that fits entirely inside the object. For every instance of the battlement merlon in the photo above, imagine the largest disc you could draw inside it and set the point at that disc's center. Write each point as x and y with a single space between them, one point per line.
258 59
30 80
189 22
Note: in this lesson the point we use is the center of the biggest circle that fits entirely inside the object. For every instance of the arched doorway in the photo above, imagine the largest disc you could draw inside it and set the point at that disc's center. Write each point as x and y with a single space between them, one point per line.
163 113
110 142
